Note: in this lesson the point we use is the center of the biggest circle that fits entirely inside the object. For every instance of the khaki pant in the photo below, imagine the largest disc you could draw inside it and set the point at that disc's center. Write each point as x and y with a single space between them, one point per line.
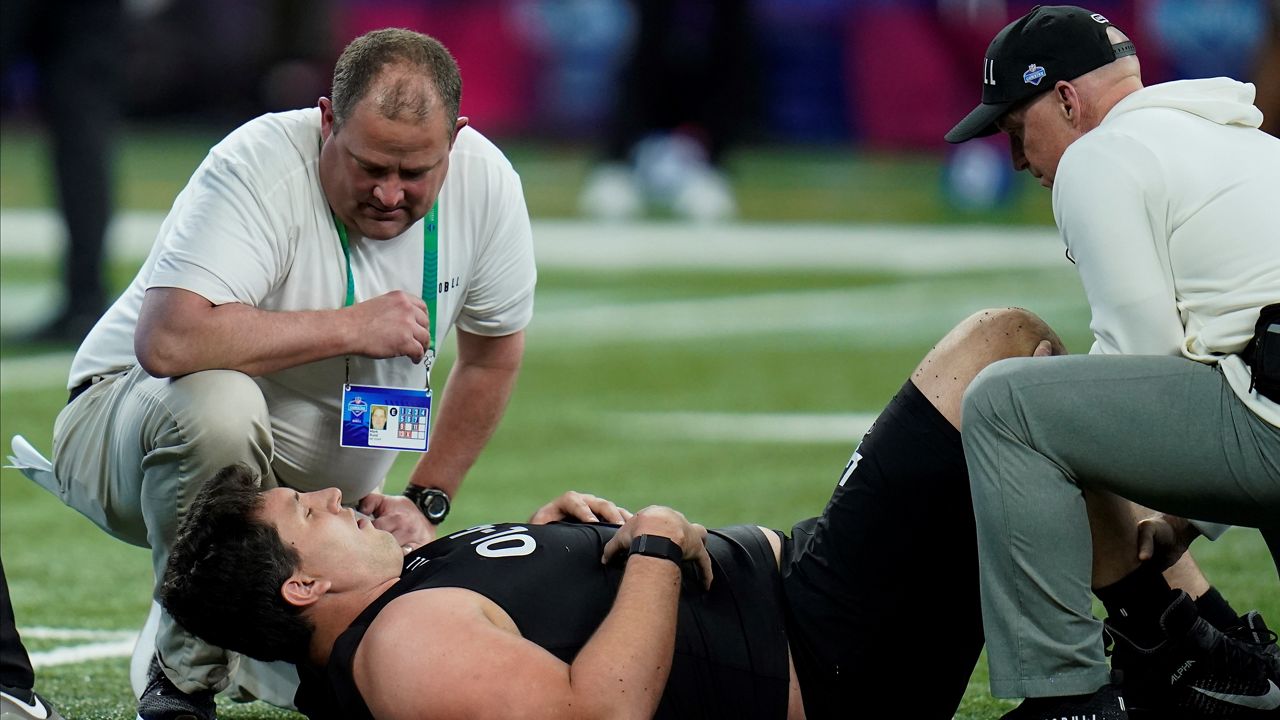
1165 432
130 454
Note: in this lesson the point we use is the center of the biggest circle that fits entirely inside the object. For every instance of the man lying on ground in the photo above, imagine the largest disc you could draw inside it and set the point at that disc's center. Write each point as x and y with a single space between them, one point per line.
657 617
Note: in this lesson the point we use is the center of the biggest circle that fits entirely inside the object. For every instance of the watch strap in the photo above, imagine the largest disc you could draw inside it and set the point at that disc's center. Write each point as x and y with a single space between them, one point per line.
657 546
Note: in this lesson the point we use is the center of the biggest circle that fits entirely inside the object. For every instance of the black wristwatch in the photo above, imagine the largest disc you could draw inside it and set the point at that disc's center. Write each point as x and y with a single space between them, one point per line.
433 502
657 546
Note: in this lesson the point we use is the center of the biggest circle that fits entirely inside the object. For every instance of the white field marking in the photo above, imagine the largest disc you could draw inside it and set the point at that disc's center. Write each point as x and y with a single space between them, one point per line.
40 234
106 644
576 244
51 633
24 305
745 427
877 316
82 653
774 246
35 372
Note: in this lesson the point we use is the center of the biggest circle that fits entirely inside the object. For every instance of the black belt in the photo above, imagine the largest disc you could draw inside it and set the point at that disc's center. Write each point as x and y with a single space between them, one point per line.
78 390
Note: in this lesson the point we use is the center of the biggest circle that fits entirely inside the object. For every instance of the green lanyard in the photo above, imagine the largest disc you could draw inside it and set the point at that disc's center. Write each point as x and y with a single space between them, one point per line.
430 264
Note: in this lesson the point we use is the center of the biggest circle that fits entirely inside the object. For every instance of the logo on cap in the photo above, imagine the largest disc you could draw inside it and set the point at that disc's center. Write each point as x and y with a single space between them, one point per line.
1033 75
1097 17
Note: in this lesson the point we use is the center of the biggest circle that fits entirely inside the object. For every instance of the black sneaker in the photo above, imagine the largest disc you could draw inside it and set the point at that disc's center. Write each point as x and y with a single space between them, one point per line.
1196 672
1259 640
1105 704
163 701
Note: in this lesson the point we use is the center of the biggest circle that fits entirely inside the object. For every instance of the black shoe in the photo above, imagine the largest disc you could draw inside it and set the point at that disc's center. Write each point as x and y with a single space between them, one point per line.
1259 640
1196 671
1105 704
163 701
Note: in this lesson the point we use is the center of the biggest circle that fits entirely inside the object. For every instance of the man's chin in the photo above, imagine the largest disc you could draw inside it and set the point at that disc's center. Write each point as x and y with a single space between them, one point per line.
382 229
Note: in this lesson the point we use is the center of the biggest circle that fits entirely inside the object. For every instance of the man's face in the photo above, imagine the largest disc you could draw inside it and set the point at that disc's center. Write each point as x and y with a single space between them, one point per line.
333 542
380 175
1039 132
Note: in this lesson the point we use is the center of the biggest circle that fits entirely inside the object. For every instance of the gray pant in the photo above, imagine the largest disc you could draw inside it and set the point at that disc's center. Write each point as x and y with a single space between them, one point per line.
130 454
1165 432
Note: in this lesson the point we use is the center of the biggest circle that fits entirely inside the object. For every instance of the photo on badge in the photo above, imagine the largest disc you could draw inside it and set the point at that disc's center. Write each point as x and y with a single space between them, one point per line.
385 418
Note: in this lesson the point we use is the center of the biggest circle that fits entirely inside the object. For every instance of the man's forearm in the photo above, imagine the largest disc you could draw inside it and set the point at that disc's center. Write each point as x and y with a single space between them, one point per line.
475 397
239 337
622 671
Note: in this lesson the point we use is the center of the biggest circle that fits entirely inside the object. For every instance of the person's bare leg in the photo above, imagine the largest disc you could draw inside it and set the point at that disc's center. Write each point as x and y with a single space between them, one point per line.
1186 575
1113 524
981 339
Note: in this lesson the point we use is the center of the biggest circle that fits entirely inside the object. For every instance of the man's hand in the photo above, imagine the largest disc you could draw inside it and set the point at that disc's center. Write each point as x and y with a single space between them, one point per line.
1162 539
580 506
400 517
392 325
658 520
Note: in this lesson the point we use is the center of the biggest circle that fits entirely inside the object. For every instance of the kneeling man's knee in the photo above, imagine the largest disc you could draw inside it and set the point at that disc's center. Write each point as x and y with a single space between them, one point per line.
991 392
224 412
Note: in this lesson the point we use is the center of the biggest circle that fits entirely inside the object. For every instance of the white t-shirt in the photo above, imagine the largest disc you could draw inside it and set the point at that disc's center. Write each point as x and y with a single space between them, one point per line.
253 227
1170 210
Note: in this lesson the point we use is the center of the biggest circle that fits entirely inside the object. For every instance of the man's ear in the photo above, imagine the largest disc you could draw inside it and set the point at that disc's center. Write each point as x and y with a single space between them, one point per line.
326 117
1069 104
303 590
457 128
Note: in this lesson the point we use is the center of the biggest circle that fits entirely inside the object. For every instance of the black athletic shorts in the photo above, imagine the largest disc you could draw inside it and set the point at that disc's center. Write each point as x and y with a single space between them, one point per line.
882 588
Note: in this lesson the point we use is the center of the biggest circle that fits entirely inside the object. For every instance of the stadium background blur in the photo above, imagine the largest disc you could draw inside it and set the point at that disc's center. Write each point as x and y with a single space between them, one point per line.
724 370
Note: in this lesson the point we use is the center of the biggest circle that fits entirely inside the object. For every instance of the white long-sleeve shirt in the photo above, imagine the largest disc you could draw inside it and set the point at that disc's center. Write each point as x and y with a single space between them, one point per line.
1171 210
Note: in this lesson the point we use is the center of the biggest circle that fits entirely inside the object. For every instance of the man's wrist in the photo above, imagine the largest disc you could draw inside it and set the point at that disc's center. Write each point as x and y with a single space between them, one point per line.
434 503
658 546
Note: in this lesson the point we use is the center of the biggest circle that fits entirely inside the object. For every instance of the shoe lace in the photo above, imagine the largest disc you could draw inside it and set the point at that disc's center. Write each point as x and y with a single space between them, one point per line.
1254 636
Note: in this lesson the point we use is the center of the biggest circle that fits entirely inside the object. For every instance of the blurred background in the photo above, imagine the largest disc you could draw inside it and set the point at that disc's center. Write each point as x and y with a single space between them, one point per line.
875 74
595 79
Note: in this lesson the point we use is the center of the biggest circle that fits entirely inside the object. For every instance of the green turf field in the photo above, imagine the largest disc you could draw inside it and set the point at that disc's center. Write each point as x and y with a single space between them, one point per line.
645 385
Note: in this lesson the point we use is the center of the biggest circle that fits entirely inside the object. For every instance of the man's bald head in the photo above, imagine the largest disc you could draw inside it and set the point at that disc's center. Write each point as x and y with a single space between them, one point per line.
1100 89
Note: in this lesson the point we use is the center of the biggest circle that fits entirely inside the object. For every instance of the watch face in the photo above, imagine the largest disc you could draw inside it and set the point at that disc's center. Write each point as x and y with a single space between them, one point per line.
437 507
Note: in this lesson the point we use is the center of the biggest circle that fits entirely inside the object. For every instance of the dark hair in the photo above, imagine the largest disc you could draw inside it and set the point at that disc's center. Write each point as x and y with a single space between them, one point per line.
225 571
363 60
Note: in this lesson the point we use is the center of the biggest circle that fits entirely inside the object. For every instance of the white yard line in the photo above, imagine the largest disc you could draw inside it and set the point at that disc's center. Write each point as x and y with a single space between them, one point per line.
888 315
877 316
816 248
35 372
745 427
52 633
82 653
105 644
577 244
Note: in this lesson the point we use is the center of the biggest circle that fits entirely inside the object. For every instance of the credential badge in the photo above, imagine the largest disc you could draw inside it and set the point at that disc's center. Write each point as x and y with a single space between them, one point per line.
1033 75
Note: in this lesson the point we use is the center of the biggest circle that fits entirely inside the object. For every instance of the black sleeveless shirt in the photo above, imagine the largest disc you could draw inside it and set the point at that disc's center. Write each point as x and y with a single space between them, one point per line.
730 652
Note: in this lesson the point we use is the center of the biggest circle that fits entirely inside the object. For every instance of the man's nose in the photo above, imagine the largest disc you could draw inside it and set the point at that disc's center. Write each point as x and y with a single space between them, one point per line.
333 499
389 194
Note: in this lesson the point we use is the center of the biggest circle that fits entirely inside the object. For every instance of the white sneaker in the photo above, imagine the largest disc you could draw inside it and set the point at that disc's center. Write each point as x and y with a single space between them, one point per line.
612 193
14 707
705 197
